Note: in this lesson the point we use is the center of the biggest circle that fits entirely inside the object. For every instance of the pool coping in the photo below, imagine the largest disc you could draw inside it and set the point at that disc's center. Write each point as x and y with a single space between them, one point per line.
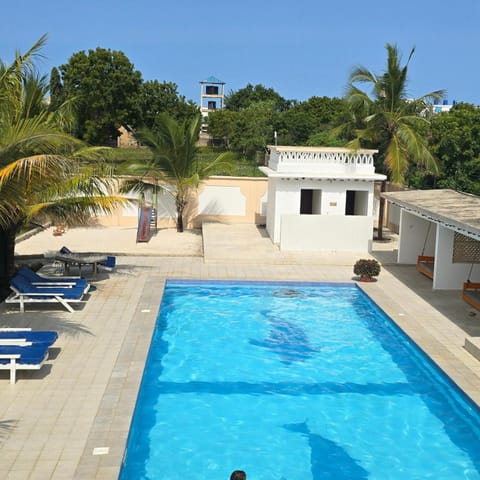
111 428
81 402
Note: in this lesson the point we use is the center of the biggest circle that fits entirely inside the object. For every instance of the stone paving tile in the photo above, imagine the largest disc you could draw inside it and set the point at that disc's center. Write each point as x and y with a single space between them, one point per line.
51 420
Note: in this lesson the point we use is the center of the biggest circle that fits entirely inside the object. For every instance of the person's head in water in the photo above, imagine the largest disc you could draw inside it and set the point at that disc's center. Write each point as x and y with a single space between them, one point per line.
238 475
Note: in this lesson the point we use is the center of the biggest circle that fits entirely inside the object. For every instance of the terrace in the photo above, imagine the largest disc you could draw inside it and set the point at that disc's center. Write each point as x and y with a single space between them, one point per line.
72 420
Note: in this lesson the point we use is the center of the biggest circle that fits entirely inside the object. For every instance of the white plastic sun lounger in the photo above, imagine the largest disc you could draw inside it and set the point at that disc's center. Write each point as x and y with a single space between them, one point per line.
22 356
24 292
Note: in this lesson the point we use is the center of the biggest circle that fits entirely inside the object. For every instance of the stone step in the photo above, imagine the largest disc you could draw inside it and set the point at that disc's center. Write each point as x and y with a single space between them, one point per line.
472 346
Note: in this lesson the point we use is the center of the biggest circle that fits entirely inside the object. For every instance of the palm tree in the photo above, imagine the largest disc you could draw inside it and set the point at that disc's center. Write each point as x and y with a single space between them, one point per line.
41 176
174 166
391 121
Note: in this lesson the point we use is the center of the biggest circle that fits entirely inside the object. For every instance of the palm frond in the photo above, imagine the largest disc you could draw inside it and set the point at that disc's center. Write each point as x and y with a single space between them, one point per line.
34 166
395 159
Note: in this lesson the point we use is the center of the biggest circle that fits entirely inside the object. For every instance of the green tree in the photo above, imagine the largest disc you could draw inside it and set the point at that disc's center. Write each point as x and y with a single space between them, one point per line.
174 165
105 87
306 119
221 124
40 174
156 98
56 90
326 138
246 131
391 121
455 142
245 97
254 128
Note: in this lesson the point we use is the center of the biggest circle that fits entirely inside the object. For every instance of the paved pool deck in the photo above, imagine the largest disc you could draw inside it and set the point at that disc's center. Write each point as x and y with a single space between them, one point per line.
70 420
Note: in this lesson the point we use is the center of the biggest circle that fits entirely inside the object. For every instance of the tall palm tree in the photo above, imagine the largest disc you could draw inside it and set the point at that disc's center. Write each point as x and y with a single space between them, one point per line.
41 176
174 166
391 121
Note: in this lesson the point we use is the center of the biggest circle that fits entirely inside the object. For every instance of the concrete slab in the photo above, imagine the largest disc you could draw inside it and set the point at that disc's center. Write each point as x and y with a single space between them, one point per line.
240 244
114 240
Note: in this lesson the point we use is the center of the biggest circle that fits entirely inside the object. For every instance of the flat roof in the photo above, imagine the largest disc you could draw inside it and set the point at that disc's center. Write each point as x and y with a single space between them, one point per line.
455 210
315 175
301 148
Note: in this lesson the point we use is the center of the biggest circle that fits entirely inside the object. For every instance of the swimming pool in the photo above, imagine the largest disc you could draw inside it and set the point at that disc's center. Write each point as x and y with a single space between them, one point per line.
293 381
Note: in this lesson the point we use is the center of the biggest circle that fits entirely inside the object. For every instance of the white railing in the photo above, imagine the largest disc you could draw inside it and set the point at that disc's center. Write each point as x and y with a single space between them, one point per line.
320 159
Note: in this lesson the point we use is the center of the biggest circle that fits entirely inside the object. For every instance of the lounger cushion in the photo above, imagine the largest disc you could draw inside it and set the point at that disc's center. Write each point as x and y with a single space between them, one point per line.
47 337
25 287
29 355
33 277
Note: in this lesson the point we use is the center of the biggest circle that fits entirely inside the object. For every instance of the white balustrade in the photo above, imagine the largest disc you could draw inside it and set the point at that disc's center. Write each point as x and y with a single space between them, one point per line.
321 160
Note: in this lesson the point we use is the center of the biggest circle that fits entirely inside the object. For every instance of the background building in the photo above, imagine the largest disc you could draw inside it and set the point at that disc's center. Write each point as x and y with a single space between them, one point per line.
212 97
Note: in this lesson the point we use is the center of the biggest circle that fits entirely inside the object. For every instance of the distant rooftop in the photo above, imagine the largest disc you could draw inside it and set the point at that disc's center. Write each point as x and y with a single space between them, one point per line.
212 79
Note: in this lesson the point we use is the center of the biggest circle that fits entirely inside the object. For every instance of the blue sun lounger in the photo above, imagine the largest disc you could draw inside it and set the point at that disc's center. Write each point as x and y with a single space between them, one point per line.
37 280
27 356
24 292
21 335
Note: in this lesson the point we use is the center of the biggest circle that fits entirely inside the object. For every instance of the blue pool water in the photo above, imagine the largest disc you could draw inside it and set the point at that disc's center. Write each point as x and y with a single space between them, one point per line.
295 382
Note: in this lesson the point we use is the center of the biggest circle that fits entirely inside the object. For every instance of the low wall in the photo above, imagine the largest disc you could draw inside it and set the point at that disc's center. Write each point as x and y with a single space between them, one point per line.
326 233
222 199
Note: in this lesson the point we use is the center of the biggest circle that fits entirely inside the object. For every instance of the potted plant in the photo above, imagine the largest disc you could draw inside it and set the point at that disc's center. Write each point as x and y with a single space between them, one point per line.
366 269
59 230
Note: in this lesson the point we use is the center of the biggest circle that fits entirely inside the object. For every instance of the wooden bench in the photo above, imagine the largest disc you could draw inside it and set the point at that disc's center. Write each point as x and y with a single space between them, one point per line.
426 265
471 294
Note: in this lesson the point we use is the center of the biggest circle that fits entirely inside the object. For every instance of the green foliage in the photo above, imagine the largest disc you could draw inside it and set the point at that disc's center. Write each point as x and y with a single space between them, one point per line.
121 160
325 138
455 142
156 98
249 129
367 268
387 119
306 119
248 123
221 124
41 174
245 97
174 165
238 165
254 128
57 96
105 87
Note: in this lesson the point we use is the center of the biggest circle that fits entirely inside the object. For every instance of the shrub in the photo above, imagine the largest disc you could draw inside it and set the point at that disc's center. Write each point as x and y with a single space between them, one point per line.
366 268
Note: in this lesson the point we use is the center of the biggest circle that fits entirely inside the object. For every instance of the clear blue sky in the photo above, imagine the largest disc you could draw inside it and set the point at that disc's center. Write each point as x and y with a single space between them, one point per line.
300 48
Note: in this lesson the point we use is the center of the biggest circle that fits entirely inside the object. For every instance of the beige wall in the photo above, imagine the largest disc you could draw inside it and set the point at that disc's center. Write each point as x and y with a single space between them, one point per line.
250 190
222 199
